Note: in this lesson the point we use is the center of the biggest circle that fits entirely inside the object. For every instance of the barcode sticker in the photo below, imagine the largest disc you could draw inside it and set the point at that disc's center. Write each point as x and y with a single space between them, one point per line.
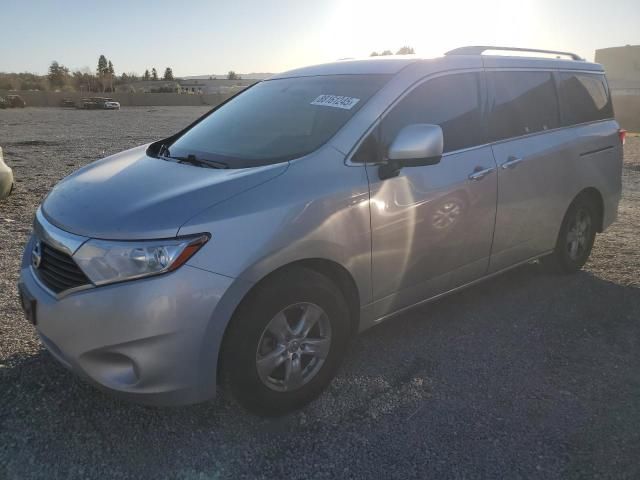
336 101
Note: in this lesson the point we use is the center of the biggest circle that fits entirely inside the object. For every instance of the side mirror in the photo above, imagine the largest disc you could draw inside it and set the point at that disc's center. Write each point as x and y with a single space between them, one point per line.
415 145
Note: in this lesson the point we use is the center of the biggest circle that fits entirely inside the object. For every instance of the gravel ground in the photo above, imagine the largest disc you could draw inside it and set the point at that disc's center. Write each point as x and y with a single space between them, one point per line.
526 375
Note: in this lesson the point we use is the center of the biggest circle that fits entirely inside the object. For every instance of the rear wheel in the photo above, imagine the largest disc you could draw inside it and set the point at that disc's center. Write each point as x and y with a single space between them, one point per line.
285 342
576 237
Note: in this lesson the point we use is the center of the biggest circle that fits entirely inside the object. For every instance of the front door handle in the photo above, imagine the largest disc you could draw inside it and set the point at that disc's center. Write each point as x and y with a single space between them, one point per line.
478 175
512 162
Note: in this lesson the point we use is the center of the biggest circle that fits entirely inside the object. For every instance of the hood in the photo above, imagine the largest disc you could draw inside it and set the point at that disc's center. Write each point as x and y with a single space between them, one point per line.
133 196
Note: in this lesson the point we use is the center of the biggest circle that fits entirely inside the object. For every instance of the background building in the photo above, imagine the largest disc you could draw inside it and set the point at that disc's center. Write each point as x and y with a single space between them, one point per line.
213 85
150 86
622 65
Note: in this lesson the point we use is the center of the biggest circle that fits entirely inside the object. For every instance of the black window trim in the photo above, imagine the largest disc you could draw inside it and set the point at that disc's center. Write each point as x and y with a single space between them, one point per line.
484 107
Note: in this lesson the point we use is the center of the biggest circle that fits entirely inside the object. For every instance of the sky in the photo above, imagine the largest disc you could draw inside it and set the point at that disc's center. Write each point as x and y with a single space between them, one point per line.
198 37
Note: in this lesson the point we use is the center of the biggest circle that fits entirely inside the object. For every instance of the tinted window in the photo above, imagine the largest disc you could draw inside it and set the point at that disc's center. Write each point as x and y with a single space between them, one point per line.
278 120
450 101
584 98
523 103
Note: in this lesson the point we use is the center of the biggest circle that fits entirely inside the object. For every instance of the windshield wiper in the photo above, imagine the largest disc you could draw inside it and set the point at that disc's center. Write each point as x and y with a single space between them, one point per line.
199 162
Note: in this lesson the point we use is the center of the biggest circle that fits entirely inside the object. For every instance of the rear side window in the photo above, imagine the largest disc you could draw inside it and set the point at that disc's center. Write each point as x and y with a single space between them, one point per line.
584 98
523 103
451 101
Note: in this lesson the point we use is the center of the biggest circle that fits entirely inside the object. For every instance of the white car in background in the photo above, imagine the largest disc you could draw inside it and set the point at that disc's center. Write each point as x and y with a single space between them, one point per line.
6 178
99 103
111 104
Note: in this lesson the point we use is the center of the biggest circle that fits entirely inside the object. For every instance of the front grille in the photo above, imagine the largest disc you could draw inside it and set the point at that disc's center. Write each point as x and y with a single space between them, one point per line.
58 271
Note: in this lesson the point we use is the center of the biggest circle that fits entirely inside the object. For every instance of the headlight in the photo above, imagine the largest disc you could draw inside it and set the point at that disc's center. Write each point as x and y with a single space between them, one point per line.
106 261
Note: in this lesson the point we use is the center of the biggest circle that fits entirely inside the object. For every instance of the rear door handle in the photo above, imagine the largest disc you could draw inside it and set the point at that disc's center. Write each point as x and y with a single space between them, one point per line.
512 162
478 175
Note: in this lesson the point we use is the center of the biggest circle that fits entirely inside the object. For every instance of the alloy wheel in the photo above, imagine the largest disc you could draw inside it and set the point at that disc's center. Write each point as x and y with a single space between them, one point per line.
579 234
293 347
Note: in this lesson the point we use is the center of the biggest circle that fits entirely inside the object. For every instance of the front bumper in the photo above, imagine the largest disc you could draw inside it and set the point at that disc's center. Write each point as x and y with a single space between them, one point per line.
148 340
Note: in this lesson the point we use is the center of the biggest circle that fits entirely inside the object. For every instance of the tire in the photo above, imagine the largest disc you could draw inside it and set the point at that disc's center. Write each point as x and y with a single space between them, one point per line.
290 375
576 237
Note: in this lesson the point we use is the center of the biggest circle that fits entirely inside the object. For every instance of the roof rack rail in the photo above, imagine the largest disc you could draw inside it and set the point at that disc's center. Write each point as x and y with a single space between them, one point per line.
479 49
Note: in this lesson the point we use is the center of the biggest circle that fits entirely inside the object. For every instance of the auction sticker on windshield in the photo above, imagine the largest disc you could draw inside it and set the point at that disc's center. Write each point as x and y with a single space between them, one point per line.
336 101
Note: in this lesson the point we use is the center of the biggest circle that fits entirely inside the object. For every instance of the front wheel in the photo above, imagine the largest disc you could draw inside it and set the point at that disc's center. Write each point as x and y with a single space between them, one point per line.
285 342
576 237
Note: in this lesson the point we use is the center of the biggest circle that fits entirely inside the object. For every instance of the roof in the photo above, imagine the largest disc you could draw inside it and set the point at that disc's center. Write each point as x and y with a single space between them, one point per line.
392 64
376 65
503 61
480 49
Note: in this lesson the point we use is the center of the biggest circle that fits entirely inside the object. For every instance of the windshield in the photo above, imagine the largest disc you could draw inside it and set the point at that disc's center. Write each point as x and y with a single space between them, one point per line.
277 120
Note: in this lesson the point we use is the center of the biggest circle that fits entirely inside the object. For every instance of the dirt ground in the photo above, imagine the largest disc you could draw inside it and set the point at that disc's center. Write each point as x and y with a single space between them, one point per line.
527 375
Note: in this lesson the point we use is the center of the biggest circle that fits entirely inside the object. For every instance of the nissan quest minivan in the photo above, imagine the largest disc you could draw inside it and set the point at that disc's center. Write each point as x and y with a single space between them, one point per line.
252 245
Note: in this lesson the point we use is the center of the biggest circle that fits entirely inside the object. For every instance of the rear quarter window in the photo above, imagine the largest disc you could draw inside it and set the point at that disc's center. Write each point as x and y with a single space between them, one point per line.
522 103
584 98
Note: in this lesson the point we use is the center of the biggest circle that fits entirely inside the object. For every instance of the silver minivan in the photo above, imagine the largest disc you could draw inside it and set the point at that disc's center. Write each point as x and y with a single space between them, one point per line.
251 246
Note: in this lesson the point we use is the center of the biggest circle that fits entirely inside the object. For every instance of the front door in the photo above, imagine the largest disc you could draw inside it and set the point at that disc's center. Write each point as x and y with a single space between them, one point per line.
432 226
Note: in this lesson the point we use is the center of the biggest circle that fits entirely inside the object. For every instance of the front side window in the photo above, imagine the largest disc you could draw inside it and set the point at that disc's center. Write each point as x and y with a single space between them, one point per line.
523 103
584 98
278 120
451 101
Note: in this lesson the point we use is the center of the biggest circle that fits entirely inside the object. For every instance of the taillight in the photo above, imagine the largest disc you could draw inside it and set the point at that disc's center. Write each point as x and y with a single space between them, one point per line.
622 133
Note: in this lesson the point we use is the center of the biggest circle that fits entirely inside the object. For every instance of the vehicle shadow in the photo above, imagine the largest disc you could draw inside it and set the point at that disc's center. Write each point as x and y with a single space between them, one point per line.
522 371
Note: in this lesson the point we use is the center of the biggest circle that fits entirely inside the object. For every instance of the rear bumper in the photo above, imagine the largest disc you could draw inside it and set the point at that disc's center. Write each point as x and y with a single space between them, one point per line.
149 341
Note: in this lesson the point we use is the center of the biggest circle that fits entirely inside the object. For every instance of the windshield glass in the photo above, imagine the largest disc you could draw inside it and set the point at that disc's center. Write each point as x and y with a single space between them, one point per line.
277 120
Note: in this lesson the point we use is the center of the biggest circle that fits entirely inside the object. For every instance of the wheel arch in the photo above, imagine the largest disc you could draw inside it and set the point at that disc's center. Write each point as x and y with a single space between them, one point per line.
335 272
331 269
341 277
593 195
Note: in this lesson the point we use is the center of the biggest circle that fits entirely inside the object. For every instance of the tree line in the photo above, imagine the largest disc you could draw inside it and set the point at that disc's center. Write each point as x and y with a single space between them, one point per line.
59 77
403 51
153 75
